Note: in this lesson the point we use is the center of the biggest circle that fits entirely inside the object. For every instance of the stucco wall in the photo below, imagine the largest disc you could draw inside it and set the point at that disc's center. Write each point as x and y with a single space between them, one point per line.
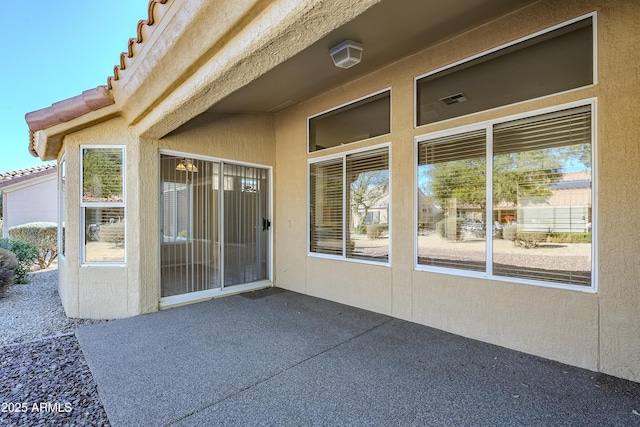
109 291
598 331
113 291
27 201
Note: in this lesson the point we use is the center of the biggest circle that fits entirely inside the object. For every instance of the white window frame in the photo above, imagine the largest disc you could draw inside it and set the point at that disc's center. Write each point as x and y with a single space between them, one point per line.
62 204
488 126
345 203
84 205
592 15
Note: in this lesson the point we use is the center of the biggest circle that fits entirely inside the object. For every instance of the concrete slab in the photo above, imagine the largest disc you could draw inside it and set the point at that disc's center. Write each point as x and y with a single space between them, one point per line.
281 358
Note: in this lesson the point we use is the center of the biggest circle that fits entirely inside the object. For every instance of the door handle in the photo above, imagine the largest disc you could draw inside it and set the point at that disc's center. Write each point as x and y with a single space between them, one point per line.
266 224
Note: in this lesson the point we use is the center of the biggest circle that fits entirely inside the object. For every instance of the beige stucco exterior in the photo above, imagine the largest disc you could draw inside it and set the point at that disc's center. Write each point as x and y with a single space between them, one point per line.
595 330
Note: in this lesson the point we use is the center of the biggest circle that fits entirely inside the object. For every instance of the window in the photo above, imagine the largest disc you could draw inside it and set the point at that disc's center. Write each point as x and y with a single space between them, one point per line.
525 183
62 205
548 63
362 119
103 204
349 205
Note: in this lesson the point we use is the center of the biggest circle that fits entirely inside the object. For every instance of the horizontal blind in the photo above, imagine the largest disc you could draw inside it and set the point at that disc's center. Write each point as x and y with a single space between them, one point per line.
542 183
102 175
368 193
568 127
326 195
451 206
469 145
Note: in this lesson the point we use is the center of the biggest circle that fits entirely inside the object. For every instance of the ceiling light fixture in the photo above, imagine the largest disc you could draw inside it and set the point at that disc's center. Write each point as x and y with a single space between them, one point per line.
346 54
186 165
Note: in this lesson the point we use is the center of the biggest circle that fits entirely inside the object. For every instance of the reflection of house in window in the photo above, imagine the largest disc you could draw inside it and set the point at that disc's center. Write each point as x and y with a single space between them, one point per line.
567 210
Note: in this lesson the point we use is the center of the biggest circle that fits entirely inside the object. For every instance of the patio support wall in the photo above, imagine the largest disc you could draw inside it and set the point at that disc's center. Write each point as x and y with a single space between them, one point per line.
598 331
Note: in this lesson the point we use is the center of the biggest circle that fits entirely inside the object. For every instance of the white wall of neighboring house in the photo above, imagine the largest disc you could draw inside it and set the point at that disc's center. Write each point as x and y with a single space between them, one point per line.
32 200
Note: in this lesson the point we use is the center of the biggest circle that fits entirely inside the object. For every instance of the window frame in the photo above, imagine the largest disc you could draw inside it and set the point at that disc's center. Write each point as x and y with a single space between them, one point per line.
592 15
346 104
488 127
62 204
84 205
345 205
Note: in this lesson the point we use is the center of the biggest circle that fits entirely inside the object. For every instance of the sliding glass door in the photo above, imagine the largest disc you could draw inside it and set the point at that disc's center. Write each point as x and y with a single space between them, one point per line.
214 225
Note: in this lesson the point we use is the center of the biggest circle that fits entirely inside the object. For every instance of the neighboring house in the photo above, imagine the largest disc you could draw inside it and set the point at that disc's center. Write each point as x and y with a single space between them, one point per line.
29 195
218 160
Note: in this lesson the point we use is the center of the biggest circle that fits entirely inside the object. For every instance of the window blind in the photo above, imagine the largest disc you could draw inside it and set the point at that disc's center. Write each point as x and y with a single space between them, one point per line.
102 175
452 182
326 195
542 185
368 196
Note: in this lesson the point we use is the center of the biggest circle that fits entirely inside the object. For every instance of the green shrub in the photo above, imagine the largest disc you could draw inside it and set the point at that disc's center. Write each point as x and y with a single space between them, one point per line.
25 252
8 265
569 238
42 235
375 231
529 240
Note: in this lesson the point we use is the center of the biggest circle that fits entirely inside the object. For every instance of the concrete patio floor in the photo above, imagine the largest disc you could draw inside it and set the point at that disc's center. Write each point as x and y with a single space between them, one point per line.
280 358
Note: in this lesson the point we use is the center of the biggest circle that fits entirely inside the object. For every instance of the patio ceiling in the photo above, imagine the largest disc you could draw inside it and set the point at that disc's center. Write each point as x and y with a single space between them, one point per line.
390 30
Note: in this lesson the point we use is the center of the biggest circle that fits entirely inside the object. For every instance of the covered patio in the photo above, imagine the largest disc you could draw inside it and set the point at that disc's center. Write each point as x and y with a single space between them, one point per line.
275 357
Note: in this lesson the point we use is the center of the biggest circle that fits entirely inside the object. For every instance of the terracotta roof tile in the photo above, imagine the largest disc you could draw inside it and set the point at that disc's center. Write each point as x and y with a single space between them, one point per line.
90 100
9 178
129 53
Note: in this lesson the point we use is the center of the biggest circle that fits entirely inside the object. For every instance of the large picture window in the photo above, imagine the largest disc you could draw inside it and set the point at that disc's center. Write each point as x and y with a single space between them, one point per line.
349 205
103 204
510 199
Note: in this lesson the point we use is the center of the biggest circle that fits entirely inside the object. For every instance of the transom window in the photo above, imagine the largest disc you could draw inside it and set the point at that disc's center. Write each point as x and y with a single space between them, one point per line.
103 204
526 184
362 119
349 205
548 63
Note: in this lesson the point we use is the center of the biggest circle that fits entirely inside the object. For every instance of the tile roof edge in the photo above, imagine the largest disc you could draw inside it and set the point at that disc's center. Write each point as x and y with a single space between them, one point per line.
66 110
137 40
20 175
90 100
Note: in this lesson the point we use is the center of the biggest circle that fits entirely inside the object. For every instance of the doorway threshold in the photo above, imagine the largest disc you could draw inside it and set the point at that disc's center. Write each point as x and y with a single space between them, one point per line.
194 297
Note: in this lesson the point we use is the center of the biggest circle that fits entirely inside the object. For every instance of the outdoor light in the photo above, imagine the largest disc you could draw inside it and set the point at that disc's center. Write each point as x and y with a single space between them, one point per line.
346 54
186 165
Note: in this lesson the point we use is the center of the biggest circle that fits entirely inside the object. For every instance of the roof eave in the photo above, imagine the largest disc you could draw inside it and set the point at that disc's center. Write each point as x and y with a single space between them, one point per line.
90 103
47 142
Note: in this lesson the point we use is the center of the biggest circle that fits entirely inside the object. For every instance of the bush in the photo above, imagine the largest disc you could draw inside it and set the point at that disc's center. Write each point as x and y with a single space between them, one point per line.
43 235
8 265
529 240
375 231
113 233
25 252
569 238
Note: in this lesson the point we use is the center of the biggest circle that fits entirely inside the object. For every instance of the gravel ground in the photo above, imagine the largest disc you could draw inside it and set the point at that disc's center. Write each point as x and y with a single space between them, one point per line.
45 378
